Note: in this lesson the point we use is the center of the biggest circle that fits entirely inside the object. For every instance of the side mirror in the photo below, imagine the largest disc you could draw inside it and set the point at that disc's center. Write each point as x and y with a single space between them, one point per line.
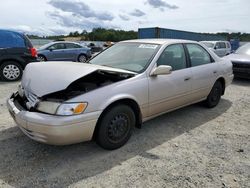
161 70
50 49
216 47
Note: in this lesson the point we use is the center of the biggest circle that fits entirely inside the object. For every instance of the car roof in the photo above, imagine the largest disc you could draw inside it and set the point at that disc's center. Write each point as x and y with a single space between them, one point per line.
69 42
214 41
160 41
17 32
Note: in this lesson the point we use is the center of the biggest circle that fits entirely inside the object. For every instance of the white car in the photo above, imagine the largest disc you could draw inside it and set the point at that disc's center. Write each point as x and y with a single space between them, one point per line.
131 82
241 61
221 48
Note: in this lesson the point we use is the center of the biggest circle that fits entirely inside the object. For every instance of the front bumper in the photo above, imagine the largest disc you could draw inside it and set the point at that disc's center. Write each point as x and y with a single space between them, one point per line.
53 129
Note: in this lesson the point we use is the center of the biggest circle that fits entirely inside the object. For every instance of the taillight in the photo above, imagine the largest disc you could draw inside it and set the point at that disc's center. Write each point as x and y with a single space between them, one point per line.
33 52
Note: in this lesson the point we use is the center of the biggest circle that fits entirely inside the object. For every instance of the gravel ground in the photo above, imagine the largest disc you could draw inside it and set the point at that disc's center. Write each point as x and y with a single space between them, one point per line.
191 147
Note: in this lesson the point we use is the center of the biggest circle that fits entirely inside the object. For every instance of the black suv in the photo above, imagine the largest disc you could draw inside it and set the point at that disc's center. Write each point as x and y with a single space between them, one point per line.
16 51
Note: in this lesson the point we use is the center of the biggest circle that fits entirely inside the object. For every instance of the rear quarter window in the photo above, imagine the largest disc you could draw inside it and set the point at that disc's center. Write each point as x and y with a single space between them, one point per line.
10 39
72 46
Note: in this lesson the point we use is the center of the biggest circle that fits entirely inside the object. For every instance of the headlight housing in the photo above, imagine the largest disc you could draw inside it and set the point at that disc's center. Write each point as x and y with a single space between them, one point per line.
64 109
48 107
67 109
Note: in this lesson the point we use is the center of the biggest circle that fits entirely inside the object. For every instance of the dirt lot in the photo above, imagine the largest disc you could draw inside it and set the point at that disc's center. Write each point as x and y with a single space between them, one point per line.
191 147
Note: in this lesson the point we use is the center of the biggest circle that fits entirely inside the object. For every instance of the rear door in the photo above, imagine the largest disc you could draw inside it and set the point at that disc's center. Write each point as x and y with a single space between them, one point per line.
72 51
204 70
167 92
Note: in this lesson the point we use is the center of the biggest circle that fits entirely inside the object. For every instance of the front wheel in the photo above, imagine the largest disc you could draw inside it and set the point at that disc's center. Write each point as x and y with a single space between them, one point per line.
215 95
115 127
10 71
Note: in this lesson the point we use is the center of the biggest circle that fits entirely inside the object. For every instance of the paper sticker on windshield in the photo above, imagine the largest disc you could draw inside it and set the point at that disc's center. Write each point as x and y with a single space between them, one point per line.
150 46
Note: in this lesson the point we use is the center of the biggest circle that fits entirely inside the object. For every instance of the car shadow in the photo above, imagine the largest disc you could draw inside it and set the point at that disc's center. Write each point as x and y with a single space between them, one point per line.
25 163
7 83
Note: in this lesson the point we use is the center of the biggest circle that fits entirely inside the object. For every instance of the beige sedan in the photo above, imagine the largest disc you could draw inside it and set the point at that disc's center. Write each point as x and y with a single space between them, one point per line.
131 82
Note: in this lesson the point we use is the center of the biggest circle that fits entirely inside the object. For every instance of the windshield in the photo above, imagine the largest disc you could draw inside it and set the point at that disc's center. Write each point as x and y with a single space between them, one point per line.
208 44
129 56
245 49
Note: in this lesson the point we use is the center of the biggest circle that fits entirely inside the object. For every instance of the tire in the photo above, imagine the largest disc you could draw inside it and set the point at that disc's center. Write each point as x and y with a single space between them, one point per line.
41 58
82 58
214 96
11 71
115 127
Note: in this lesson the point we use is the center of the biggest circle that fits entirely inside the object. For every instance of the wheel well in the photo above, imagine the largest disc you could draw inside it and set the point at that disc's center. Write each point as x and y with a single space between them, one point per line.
82 54
129 102
42 56
222 81
6 60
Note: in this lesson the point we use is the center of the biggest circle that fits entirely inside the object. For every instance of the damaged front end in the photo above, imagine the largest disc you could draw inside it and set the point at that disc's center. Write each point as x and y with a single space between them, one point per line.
56 102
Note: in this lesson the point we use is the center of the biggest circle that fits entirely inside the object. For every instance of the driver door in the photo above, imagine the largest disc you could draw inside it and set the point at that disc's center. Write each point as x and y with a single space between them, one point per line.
167 92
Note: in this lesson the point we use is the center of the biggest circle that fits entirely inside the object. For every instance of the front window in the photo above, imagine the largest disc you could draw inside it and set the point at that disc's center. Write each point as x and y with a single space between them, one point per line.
58 46
174 56
245 49
129 56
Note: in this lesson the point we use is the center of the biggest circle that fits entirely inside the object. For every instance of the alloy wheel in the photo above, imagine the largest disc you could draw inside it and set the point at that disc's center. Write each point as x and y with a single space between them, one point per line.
82 58
11 72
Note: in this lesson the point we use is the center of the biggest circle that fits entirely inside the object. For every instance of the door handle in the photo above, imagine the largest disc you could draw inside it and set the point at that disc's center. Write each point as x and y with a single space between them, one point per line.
188 78
215 72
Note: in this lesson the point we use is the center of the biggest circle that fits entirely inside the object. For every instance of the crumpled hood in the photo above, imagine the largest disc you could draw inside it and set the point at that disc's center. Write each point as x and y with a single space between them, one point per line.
238 58
48 77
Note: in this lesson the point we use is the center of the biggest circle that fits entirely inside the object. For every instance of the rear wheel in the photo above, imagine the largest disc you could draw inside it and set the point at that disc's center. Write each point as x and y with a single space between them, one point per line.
115 127
215 95
41 58
82 58
10 71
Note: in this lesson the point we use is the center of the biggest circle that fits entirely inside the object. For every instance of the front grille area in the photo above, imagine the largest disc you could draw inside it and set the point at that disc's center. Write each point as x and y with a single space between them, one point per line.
32 100
241 65
26 103
241 70
32 97
29 99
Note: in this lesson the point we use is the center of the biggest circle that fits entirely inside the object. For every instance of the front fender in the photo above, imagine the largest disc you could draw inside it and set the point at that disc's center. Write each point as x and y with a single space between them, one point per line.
116 98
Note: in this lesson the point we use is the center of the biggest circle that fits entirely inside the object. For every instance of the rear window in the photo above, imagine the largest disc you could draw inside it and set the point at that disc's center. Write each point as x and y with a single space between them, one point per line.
10 39
72 45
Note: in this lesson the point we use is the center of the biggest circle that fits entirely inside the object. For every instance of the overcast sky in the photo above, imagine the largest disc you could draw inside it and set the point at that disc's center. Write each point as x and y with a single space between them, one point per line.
49 17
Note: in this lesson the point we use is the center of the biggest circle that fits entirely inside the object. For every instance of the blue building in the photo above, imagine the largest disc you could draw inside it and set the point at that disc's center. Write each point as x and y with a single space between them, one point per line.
156 32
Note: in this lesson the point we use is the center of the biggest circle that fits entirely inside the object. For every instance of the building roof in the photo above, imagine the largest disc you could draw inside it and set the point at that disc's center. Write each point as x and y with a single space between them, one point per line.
159 41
